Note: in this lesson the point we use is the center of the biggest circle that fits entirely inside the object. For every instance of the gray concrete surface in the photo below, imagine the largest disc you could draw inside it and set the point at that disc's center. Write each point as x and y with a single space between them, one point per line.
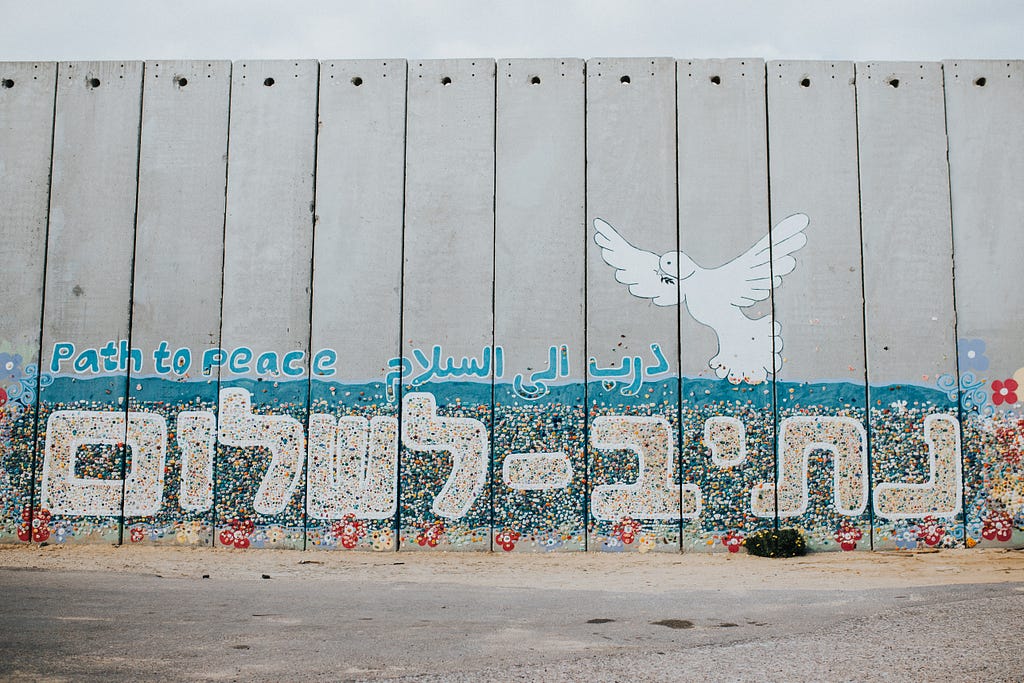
26 137
986 171
180 223
94 626
541 233
360 179
268 237
812 134
449 207
92 206
905 218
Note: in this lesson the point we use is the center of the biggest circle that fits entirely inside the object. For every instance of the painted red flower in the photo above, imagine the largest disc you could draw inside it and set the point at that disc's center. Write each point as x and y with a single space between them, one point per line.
733 540
1004 391
431 534
626 530
25 528
34 525
929 531
1010 443
507 538
349 530
998 527
3 397
239 533
137 534
847 536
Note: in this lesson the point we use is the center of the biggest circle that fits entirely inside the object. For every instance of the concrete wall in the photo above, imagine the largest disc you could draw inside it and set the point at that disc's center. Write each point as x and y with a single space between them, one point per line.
524 305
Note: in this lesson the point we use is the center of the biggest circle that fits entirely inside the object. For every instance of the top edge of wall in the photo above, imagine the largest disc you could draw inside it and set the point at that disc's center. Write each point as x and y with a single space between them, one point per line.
950 61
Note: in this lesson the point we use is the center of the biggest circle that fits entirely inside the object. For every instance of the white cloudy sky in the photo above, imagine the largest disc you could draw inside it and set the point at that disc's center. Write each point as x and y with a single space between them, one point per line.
784 29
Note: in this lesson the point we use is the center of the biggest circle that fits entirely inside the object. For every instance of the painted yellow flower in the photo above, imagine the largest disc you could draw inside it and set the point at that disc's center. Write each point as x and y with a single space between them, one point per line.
189 533
381 540
646 543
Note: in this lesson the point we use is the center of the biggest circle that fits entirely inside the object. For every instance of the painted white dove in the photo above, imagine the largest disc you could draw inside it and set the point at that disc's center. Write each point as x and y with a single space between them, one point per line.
716 297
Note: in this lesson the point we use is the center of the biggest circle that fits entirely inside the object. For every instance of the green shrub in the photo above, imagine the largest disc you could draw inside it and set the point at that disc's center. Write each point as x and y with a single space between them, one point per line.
772 543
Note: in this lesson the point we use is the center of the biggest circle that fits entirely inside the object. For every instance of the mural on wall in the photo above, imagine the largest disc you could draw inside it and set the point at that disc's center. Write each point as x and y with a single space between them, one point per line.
993 427
437 442
18 385
351 467
715 297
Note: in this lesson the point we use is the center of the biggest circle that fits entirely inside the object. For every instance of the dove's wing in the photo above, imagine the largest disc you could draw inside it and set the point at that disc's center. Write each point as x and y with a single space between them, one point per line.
749 278
634 267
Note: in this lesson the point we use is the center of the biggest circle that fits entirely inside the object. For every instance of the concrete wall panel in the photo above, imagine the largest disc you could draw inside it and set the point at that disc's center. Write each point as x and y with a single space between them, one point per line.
812 136
357 281
26 133
540 263
725 320
177 285
87 303
447 305
633 391
638 304
908 290
268 243
984 101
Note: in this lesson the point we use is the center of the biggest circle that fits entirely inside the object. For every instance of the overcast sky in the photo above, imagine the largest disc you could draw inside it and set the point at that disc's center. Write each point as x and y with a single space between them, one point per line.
253 29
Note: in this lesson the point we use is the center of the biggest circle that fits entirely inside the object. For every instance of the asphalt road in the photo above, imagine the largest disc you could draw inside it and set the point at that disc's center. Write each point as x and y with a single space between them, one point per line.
101 626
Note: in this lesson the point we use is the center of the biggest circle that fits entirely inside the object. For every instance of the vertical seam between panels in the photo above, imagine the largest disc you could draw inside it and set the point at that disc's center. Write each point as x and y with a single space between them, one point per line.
131 306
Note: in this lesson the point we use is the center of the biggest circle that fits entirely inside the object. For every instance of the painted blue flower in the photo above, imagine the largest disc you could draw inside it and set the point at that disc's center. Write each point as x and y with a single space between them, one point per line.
258 539
551 543
10 370
971 354
327 537
905 538
612 545
61 531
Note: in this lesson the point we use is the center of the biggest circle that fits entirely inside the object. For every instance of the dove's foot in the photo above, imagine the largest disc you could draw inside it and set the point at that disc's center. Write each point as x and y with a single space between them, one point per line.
738 375
751 361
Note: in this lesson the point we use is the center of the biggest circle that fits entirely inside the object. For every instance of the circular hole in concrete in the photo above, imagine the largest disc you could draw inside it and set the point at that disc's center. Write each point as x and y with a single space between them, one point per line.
624 79
980 82
268 82
716 80
94 82
446 81
181 81
806 83
357 81
535 80
8 83
894 82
